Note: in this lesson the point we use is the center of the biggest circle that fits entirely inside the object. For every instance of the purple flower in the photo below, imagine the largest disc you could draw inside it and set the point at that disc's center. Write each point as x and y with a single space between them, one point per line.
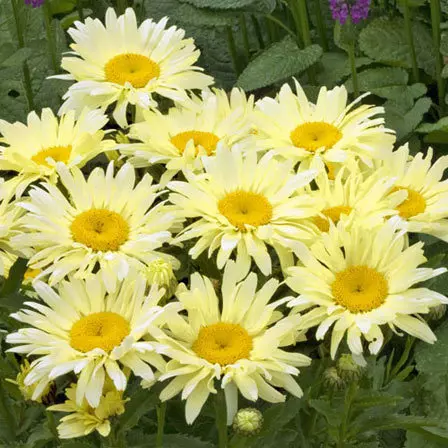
34 3
356 9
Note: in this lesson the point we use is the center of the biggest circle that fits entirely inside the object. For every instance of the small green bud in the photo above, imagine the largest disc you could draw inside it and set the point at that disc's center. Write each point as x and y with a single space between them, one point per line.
248 422
437 312
332 378
347 368
160 272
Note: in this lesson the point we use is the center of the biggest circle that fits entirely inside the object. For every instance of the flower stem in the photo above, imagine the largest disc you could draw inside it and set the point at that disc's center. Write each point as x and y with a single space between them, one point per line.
410 37
221 419
121 6
281 25
245 35
232 50
80 10
321 26
351 56
258 32
25 68
161 412
435 20
350 394
306 35
48 18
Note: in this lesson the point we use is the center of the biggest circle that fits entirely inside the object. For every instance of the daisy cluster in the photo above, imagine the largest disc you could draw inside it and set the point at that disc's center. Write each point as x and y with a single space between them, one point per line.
281 191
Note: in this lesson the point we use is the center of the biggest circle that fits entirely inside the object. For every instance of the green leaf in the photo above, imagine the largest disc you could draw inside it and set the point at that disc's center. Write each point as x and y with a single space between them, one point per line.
15 277
384 40
404 121
374 79
370 398
142 401
277 63
433 359
265 6
336 67
441 125
10 57
175 441
324 407
204 17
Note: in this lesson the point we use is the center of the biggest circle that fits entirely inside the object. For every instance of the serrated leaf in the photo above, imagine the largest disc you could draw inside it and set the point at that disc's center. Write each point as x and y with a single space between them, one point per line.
204 17
277 63
377 78
324 407
384 39
177 441
369 399
265 6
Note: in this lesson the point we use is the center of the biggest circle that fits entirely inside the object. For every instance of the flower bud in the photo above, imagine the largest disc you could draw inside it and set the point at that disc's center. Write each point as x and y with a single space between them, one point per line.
332 378
347 368
160 272
28 391
248 422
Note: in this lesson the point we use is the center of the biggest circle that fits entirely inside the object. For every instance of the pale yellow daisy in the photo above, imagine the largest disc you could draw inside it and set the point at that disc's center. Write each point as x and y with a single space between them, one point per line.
425 207
236 347
360 279
354 198
83 419
33 149
329 131
107 221
81 328
121 63
179 139
245 204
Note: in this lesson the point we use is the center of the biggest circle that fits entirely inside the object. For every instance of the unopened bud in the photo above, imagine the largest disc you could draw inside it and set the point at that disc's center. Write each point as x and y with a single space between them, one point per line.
332 378
347 368
248 422
160 272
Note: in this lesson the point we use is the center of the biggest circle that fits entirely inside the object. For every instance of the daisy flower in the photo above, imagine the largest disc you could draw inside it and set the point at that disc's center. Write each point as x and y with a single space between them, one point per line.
329 131
80 328
238 346
83 419
33 149
107 221
122 63
10 214
360 279
244 204
425 207
187 133
354 198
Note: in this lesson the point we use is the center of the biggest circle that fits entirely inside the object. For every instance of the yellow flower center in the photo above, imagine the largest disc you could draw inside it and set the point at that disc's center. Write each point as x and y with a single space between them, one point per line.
100 229
223 343
207 140
136 69
315 135
58 153
243 208
333 213
31 274
413 205
104 330
360 289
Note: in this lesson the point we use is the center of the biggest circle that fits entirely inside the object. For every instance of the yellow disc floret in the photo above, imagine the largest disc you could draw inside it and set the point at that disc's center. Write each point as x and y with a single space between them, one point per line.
104 330
207 140
333 213
136 69
360 288
413 205
315 135
223 343
243 208
57 153
100 229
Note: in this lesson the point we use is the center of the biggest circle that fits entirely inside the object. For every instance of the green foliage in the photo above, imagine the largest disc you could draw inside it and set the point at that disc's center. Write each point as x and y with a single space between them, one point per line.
277 63
384 40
